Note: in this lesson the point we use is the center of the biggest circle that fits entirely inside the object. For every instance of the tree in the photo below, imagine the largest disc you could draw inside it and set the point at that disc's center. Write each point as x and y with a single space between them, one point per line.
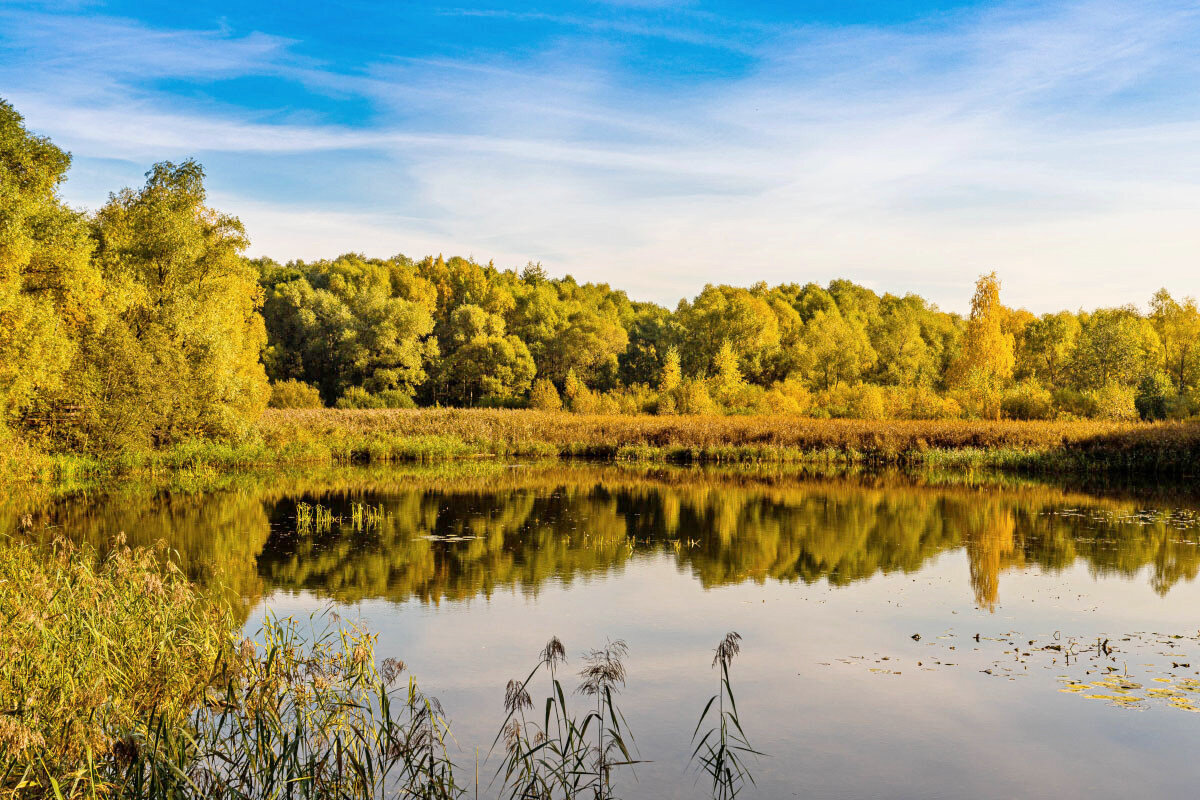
672 373
1178 327
1116 346
905 357
482 361
349 322
985 365
743 317
835 350
179 352
544 397
727 383
1047 349
49 289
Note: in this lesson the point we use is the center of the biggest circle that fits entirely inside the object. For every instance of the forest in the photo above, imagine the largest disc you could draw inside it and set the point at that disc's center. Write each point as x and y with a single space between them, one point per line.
144 323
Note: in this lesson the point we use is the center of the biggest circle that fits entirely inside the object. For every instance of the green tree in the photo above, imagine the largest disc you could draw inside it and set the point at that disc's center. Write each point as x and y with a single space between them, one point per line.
179 353
349 322
744 317
1047 349
1177 324
482 361
836 349
906 358
1116 347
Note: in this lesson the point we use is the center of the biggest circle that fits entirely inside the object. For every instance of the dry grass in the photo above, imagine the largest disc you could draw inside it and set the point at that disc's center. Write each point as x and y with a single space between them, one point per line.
364 435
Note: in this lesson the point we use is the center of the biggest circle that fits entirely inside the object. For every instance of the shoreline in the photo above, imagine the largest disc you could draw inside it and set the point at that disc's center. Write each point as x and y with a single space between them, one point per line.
326 437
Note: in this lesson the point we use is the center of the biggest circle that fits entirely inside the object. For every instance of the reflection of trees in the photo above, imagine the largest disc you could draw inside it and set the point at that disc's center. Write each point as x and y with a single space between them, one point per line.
455 535
215 538
991 548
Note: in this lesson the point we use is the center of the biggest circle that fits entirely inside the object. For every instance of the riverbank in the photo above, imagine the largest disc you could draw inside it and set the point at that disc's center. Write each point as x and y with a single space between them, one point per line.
329 436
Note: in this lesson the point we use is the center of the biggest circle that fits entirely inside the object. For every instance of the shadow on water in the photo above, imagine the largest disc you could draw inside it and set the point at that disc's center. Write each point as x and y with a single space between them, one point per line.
454 532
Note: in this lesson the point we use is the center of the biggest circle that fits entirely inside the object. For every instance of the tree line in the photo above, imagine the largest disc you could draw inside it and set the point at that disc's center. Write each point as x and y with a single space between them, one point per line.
144 323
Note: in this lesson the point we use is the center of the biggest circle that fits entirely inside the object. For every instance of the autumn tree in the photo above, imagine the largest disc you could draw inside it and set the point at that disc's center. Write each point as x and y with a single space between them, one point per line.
985 365
718 314
544 397
1116 346
50 291
350 322
836 350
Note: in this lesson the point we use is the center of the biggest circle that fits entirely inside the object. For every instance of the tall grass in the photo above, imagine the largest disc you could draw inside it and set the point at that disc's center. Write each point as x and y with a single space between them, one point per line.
119 679
88 648
1018 445
430 435
722 751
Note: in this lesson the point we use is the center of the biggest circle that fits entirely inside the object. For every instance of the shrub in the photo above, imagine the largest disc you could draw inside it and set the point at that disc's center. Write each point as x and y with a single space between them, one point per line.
358 397
666 405
1185 405
579 398
692 397
498 401
1073 404
1114 401
867 401
1153 393
1027 400
851 401
294 394
922 402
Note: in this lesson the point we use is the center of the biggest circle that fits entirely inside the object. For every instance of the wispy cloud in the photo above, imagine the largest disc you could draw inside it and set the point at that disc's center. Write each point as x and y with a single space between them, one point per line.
1056 144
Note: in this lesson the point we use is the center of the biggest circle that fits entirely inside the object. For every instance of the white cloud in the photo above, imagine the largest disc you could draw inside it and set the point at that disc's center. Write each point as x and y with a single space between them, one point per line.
1055 145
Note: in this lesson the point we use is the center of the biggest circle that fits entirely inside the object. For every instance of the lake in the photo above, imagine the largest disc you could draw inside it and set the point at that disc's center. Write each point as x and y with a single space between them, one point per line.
903 636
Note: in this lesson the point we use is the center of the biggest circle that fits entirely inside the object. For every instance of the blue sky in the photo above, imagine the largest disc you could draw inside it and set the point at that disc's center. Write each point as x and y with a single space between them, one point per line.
657 146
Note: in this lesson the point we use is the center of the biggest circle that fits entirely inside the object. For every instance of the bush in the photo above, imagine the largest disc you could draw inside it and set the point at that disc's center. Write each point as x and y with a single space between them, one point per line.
922 402
358 397
851 401
1153 393
692 397
1027 400
1114 402
867 402
294 394
1072 404
496 401
1185 405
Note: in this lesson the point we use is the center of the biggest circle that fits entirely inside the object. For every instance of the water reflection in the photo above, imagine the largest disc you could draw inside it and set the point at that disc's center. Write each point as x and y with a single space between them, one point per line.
458 532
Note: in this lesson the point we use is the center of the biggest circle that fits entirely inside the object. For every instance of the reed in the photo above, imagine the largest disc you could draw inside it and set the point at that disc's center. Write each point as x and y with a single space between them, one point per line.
722 751
433 435
314 518
88 648
1077 445
364 517
121 680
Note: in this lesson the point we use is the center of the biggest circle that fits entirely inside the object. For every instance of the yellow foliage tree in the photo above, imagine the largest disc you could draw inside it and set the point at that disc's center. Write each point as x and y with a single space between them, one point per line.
985 365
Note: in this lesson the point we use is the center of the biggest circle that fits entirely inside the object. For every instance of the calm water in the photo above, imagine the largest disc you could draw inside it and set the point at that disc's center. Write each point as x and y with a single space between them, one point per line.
471 569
